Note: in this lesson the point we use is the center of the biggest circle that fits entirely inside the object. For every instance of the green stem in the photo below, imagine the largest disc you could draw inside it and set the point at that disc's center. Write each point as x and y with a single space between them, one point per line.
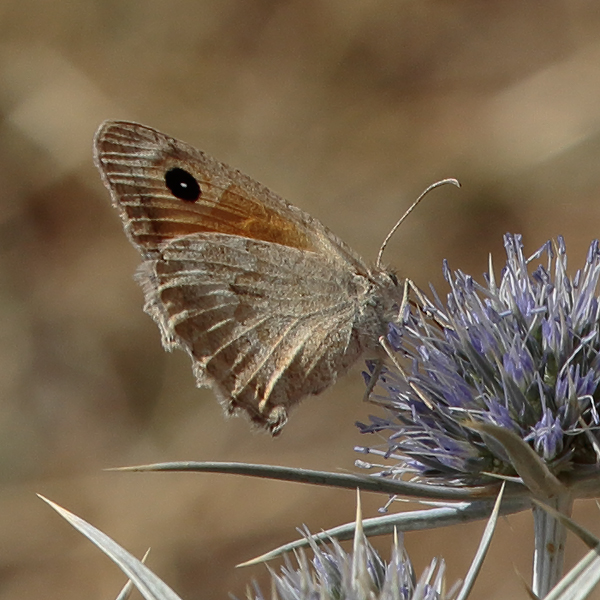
550 538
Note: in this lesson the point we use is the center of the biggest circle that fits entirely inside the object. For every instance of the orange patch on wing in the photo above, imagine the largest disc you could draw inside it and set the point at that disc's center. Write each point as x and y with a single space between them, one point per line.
253 219
233 212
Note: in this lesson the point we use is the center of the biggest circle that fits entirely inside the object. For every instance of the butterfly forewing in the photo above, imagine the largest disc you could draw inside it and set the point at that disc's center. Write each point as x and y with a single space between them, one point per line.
135 160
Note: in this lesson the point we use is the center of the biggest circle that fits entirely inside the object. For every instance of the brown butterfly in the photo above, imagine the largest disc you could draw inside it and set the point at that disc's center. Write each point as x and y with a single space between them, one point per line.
270 305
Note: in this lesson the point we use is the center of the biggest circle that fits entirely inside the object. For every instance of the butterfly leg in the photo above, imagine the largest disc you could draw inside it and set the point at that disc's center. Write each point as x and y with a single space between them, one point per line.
373 380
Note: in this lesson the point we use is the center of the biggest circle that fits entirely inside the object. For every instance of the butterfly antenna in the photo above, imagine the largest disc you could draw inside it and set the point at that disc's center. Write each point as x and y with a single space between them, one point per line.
412 207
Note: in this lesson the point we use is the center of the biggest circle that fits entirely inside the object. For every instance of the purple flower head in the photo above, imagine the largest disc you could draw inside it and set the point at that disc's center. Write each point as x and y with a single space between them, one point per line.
334 574
522 353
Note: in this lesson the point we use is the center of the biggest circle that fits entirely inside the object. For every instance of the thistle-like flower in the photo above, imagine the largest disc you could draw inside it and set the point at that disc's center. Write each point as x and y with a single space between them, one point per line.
333 574
520 354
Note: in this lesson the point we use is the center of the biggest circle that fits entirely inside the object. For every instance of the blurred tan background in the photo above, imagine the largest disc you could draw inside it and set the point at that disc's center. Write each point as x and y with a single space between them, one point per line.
349 109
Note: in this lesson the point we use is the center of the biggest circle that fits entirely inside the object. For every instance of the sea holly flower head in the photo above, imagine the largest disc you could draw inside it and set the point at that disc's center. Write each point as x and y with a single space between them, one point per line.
362 574
520 353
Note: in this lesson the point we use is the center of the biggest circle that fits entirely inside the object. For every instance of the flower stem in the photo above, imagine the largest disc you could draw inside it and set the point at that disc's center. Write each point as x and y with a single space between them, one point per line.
550 538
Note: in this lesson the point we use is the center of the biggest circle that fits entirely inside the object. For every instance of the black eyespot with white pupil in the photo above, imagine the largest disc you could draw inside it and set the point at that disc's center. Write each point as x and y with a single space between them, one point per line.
182 184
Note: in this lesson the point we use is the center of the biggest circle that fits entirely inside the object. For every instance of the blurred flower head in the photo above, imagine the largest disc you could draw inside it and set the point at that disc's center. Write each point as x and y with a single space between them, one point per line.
333 574
521 353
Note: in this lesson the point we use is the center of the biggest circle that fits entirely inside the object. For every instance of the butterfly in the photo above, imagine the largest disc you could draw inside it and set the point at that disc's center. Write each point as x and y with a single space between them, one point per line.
270 305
